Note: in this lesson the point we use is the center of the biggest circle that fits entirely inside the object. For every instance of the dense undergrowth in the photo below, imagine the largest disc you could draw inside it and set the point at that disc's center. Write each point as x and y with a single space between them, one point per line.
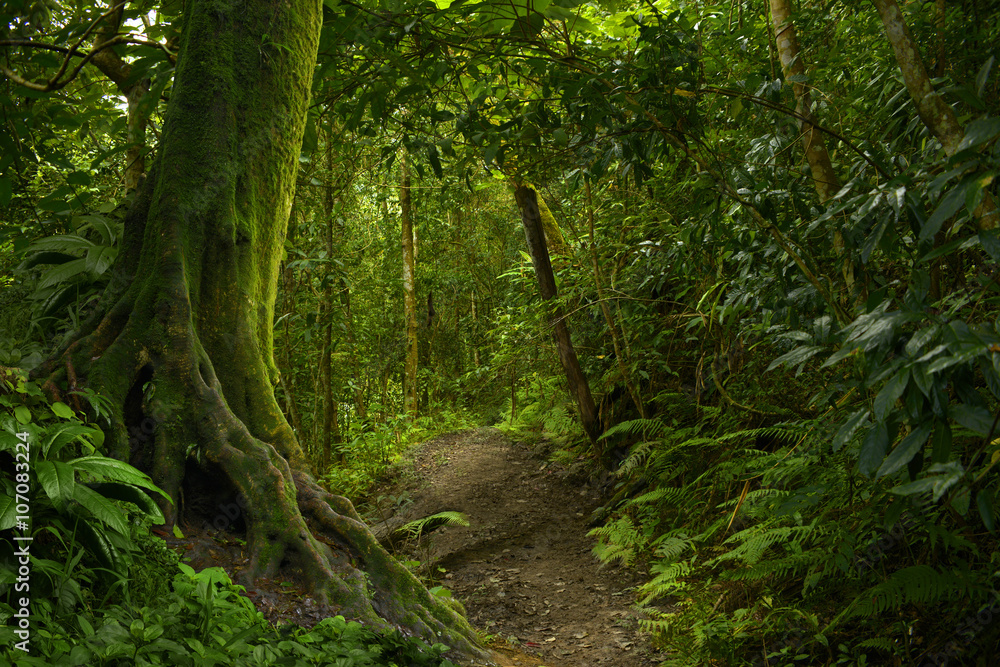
766 545
101 589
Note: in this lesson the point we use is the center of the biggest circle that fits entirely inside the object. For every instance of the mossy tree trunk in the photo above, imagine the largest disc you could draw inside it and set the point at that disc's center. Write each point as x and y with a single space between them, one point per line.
579 387
184 337
936 114
824 177
134 89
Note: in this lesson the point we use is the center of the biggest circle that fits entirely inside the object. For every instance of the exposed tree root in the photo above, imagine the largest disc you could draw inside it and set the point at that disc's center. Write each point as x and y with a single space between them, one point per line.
155 369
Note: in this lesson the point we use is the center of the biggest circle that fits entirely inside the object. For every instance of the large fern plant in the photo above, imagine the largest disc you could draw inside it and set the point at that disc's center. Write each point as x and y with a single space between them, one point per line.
746 531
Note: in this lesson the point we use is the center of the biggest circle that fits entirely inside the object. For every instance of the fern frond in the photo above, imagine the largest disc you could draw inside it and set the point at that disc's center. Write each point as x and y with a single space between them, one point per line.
636 458
661 495
645 428
672 547
789 432
618 540
753 497
917 584
665 582
415 529
878 643
793 564
757 539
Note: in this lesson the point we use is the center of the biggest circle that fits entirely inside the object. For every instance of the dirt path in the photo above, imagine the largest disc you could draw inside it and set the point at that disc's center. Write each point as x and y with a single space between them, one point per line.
523 568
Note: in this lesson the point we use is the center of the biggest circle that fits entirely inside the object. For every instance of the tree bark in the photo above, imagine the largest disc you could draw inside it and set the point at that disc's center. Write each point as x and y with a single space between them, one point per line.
116 69
578 386
360 403
326 311
936 114
824 177
554 238
185 338
409 291
475 329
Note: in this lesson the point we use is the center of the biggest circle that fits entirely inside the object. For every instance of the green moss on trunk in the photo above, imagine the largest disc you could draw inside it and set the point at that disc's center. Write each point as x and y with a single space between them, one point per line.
185 339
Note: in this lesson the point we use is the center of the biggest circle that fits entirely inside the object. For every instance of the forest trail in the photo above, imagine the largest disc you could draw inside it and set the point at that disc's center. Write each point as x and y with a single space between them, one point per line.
523 568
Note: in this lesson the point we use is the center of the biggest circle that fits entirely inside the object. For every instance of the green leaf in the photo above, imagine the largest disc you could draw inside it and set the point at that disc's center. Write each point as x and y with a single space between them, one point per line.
979 132
574 21
115 470
310 137
847 430
984 501
949 205
972 417
63 435
6 191
62 410
990 240
948 248
57 479
922 379
918 486
101 508
55 201
893 389
435 160
8 512
62 273
131 494
905 451
99 258
960 500
65 243
874 237
941 443
873 449
22 414
80 178
796 356
952 473
100 546
841 354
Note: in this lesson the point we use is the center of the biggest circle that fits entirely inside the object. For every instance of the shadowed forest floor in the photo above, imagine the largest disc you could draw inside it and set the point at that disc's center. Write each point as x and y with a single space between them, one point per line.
523 567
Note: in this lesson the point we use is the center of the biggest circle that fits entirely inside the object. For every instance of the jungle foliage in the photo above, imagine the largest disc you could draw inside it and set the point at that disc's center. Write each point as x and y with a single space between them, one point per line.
799 395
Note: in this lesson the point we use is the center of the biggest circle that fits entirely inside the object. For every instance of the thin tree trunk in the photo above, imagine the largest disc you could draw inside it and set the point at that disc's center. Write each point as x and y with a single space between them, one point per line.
824 178
936 114
606 309
326 315
577 381
409 291
813 145
475 326
426 346
554 238
359 394
119 71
